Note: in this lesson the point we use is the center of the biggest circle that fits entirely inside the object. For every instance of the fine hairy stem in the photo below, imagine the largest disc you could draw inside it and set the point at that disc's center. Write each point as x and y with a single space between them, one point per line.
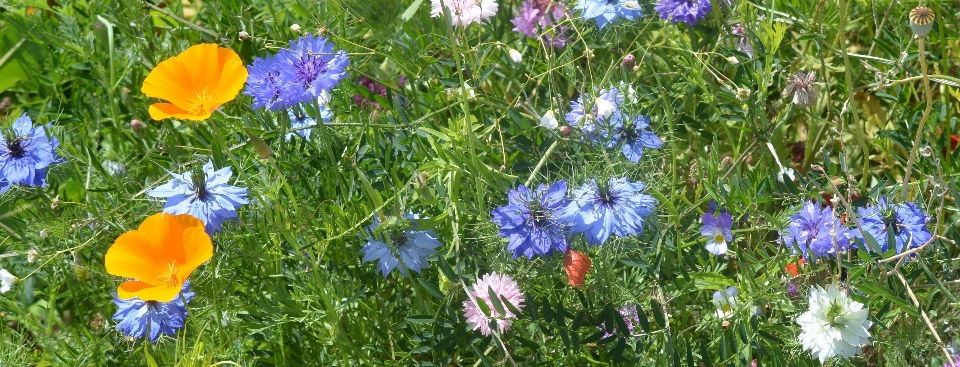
851 101
923 120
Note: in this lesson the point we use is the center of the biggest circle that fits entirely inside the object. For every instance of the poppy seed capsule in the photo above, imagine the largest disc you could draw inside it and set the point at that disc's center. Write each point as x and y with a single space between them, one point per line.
921 20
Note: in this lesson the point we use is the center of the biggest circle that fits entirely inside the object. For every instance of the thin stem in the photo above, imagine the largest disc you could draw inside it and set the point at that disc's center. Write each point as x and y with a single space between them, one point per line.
851 101
542 161
923 120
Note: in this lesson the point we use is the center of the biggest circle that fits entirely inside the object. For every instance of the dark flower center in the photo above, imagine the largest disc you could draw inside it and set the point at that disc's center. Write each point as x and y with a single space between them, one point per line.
604 195
308 68
199 179
891 221
538 214
15 144
629 132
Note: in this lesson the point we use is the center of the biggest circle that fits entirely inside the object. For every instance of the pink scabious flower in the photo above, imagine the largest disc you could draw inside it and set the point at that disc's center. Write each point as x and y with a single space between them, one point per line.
465 12
505 288
537 19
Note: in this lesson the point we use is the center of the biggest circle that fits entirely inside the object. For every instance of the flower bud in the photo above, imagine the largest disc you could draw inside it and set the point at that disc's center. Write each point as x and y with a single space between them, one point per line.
137 126
565 131
243 35
515 55
295 28
629 61
263 150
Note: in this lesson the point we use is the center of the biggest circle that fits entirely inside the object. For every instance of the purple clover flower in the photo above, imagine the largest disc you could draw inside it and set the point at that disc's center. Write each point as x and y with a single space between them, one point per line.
137 317
616 207
531 220
687 11
630 317
905 222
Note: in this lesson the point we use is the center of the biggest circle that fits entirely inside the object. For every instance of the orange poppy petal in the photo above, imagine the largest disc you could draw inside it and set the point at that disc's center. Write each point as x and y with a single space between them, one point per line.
129 257
160 111
170 81
167 231
233 76
147 292
197 249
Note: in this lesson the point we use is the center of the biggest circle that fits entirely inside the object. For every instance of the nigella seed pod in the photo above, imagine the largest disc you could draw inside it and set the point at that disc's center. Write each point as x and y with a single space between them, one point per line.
921 20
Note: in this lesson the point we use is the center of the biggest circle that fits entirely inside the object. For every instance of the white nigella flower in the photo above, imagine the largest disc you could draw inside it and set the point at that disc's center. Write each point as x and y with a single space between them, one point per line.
835 325
7 280
726 301
549 121
791 174
515 55
604 108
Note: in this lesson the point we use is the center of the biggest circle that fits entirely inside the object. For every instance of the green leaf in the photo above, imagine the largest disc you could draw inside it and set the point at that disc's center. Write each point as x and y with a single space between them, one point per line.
430 288
658 314
420 319
146 353
18 58
411 10
495 300
712 281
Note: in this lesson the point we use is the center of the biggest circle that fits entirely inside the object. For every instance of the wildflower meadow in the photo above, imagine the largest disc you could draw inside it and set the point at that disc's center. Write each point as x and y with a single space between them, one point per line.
687 183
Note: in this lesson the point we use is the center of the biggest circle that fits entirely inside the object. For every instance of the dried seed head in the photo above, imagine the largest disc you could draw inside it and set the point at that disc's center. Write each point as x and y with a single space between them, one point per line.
803 87
743 94
921 20
243 35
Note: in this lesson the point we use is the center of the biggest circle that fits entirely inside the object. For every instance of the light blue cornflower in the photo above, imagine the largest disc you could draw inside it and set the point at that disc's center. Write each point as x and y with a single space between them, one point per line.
25 154
602 209
138 318
606 11
299 119
906 223
531 222
203 193
398 239
635 138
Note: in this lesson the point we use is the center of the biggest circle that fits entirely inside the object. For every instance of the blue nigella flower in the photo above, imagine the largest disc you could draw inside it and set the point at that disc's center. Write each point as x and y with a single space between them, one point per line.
604 116
412 246
687 11
905 222
299 119
717 229
203 193
268 87
635 138
138 317
616 207
606 11
531 222
312 66
25 154
811 231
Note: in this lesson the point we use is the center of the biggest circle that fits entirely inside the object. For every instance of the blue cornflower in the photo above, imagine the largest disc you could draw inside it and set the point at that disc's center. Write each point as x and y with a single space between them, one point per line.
268 87
635 138
606 11
531 222
25 154
405 240
905 222
687 11
203 193
138 317
717 229
811 230
299 119
616 207
605 115
312 66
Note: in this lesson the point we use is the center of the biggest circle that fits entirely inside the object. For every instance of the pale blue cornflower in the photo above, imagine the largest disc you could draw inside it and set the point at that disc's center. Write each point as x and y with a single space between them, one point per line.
396 240
138 318
26 152
203 193
531 221
601 209
606 11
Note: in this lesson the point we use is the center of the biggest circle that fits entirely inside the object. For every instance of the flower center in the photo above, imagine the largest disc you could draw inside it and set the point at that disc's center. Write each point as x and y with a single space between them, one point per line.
604 195
891 221
538 214
308 68
719 238
203 103
169 277
199 180
834 312
15 144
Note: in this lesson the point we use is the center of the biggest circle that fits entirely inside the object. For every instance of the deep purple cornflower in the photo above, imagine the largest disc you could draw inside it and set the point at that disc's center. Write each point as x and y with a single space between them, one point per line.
531 221
537 19
812 230
687 11
601 209
399 240
312 66
635 137
716 228
606 11
138 318
25 154
203 193
905 223
376 88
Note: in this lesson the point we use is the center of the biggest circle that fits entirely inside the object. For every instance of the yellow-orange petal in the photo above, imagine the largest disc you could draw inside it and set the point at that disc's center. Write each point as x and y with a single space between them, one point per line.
148 292
197 249
132 255
233 74
170 81
160 111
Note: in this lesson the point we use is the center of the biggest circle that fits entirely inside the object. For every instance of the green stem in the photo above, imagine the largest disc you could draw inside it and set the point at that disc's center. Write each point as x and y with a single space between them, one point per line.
923 120
851 101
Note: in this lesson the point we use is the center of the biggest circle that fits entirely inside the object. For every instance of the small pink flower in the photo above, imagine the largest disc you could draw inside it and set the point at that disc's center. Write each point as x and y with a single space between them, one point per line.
504 288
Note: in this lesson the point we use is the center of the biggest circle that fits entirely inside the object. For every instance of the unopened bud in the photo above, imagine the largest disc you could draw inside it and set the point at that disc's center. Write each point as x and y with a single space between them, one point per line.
629 61
565 131
243 35
588 53
295 28
137 126
263 150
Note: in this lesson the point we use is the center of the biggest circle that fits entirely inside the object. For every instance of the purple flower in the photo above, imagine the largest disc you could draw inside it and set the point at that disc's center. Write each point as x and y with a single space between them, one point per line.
599 123
203 193
717 230
537 19
635 138
905 223
399 240
531 220
812 231
138 317
267 87
25 154
954 363
630 317
374 87
687 11
616 207
312 66
505 289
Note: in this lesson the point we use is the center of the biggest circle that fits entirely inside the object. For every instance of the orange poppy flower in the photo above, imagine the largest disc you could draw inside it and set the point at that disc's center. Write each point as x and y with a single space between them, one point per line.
195 82
159 256
577 264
